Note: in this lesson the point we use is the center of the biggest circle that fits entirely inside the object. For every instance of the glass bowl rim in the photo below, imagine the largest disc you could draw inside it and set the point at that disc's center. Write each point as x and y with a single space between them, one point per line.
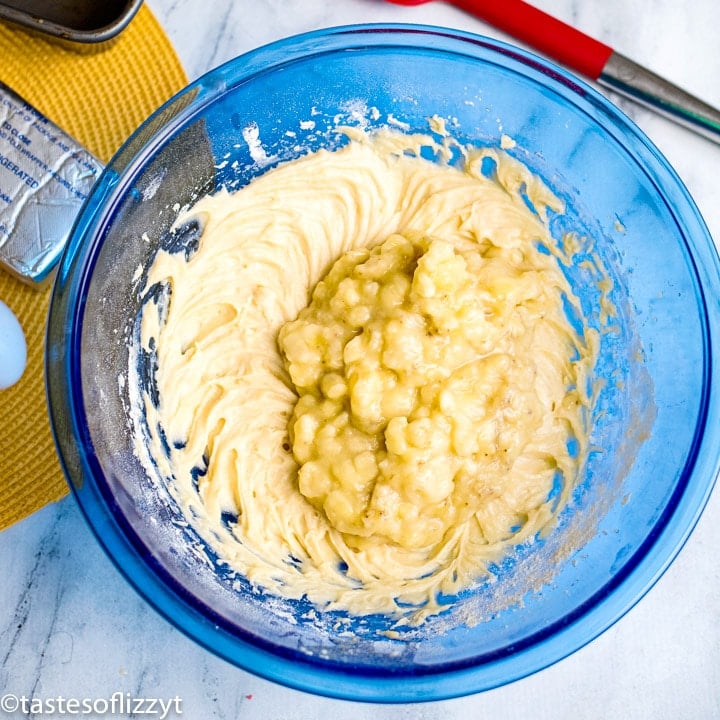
126 550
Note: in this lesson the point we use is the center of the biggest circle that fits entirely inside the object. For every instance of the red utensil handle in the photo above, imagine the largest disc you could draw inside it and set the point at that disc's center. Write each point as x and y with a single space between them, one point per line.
543 32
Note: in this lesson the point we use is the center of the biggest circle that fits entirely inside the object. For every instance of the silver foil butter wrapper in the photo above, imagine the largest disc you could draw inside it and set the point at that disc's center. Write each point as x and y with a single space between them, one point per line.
45 176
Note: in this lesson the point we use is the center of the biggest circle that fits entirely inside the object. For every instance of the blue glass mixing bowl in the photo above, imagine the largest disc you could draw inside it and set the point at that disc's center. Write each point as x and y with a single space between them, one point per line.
656 443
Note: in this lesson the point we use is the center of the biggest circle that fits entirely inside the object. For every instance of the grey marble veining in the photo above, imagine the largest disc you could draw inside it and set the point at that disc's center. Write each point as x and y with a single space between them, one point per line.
665 36
69 623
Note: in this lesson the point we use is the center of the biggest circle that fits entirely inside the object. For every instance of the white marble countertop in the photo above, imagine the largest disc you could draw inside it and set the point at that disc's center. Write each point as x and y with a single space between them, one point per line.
70 625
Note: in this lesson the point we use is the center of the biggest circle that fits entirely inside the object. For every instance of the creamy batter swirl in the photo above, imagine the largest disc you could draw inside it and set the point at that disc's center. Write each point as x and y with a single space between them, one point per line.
220 410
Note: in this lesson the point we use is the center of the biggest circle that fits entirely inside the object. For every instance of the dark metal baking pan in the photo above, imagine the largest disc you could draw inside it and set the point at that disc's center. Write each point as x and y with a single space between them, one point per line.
83 21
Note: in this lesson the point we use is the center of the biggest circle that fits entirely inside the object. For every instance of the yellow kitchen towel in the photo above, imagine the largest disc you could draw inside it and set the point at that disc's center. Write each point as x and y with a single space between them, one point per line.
98 95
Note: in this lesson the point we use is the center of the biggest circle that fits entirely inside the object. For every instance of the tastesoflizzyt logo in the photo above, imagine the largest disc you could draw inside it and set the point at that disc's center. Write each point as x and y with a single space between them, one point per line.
119 704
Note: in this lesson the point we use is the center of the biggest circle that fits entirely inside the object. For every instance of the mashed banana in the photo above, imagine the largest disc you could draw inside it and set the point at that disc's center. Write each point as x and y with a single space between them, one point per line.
367 385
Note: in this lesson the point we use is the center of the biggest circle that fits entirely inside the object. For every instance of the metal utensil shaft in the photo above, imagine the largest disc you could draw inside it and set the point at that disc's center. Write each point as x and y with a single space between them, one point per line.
627 78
